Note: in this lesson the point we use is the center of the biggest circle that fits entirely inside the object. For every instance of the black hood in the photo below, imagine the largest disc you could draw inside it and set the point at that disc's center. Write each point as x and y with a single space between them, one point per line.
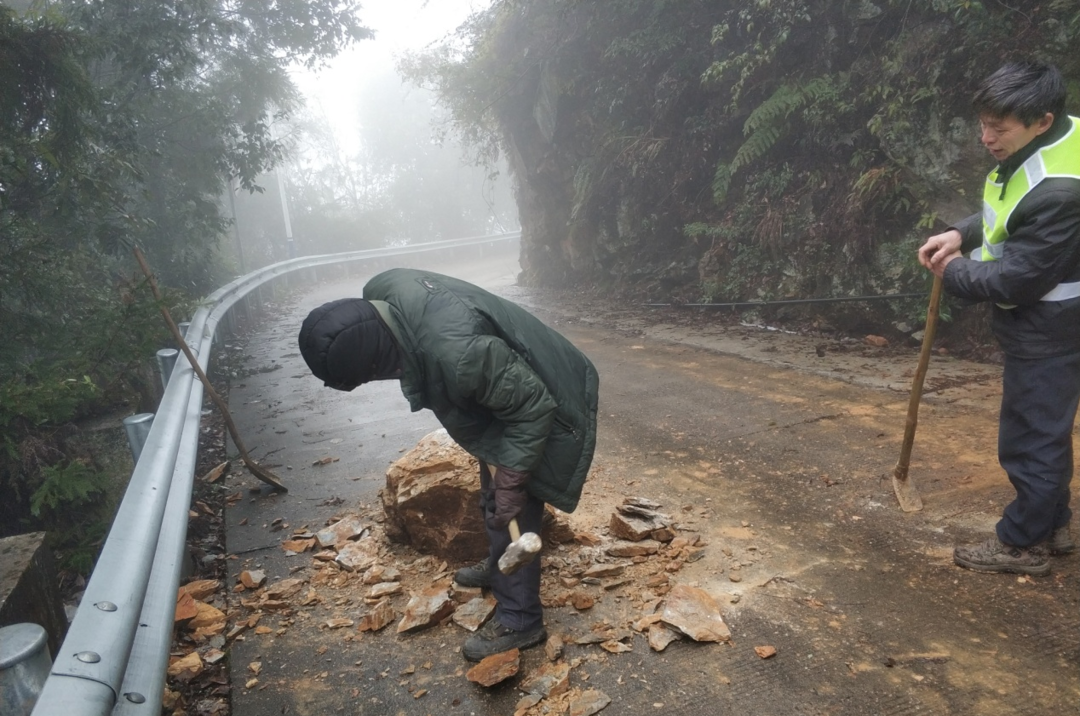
345 344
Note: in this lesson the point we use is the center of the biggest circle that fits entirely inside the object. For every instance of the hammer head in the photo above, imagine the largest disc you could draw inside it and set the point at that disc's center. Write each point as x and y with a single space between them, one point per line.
520 552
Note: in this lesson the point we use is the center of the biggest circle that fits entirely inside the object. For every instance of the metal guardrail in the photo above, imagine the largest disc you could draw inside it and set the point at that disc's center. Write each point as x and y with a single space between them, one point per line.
115 655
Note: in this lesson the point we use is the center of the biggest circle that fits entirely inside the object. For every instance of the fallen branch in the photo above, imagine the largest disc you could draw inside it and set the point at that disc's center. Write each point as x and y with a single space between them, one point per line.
257 470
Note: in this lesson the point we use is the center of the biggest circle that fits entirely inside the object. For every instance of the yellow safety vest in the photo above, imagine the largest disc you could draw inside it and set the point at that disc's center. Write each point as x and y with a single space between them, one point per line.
1060 159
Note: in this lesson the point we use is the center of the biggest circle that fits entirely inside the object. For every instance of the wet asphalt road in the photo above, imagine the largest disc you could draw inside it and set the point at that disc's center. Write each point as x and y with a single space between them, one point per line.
779 469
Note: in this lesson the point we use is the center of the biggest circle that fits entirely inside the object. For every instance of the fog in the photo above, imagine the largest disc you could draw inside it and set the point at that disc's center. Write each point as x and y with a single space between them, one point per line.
371 162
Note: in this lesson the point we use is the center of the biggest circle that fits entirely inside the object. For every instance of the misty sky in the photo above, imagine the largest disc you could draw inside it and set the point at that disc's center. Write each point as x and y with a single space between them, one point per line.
399 25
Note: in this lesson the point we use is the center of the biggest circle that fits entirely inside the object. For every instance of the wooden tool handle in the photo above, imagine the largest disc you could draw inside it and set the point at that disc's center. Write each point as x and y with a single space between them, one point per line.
917 383
515 533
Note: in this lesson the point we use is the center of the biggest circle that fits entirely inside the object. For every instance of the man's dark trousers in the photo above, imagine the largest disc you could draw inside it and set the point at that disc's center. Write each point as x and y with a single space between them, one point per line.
517 594
1038 409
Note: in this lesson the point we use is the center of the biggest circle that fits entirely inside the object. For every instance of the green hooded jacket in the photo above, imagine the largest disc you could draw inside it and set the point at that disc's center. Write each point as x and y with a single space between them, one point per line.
507 388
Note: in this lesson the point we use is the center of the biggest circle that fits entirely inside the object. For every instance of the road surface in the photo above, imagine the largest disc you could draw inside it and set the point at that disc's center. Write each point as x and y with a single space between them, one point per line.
779 458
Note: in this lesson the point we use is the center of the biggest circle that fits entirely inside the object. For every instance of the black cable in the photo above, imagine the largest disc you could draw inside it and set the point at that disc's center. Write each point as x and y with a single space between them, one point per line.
786 302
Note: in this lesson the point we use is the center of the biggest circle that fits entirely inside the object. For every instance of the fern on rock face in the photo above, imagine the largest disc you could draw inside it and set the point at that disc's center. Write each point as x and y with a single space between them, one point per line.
766 125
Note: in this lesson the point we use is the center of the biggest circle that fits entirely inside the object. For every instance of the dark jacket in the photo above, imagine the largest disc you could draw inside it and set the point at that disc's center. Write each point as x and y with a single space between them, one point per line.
1043 250
508 389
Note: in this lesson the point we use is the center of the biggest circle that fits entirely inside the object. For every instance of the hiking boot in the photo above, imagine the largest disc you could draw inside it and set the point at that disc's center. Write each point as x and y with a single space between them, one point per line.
478 575
494 638
1061 541
994 555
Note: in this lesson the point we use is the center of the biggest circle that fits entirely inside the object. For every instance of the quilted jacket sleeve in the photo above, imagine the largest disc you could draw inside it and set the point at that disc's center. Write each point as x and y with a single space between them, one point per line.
1042 249
493 375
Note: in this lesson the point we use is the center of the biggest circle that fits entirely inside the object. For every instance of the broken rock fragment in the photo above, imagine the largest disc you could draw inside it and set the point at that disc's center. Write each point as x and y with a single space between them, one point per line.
337 534
473 614
358 556
430 500
495 668
207 617
200 589
296 546
615 647
425 609
284 589
555 528
634 549
379 616
554 647
582 601
384 589
589 703
660 636
548 681
695 613
380 573
186 668
253 579
185 607
637 519
603 570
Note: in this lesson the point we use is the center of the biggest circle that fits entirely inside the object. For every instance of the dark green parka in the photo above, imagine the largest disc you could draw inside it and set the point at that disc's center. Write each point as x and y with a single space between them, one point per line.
507 388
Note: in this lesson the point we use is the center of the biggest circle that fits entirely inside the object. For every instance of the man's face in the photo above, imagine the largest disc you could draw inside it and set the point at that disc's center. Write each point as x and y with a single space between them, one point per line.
1005 136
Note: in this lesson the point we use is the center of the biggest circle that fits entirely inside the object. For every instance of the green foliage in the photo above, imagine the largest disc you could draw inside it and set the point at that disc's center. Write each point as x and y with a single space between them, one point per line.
120 125
766 125
49 398
66 487
792 147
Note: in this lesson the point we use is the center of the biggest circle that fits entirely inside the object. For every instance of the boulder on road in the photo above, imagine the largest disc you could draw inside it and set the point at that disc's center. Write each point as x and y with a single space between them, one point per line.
432 498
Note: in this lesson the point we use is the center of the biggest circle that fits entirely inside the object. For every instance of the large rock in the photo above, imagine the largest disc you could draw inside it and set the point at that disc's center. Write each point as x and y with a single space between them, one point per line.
432 501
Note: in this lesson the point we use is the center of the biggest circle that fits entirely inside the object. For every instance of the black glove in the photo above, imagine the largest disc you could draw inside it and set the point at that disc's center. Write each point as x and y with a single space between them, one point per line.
510 496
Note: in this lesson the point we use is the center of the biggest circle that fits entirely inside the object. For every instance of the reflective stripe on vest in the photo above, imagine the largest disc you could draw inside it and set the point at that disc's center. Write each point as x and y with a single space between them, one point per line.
1058 160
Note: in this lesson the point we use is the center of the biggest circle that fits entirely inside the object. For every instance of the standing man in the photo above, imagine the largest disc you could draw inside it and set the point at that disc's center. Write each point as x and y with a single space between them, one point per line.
511 391
1028 265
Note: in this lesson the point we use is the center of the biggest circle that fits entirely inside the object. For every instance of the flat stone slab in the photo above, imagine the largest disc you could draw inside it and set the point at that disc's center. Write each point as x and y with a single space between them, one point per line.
589 703
426 609
634 549
495 668
695 613
337 534
474 613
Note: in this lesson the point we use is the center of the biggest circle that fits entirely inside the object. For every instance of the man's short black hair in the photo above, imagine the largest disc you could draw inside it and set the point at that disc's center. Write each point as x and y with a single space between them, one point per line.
1025 90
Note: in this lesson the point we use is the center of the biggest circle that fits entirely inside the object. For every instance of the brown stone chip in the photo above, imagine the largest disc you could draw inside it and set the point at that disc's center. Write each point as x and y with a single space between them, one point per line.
495 668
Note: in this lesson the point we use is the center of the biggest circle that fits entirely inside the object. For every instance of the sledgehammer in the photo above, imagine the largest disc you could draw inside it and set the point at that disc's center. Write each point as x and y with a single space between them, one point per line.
522 550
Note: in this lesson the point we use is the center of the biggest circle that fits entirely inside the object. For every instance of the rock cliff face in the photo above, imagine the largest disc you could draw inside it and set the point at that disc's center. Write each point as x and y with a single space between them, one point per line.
731 151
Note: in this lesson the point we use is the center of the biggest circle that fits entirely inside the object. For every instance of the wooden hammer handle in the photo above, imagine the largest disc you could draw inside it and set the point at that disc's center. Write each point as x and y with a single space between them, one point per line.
515 533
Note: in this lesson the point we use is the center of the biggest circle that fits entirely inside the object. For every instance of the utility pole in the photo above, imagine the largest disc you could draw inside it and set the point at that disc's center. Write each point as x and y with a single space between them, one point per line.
290 245
236 226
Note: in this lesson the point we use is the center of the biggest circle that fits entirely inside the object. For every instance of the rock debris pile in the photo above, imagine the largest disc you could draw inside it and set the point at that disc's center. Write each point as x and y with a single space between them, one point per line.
351 577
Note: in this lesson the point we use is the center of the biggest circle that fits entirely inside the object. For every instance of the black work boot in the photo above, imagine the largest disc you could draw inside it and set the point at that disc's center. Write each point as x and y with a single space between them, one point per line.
994 555
1061 542
494 638
478 575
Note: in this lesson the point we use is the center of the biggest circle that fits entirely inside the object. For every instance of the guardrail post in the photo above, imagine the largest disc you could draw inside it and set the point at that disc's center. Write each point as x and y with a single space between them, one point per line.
183 326
166 361
137 428
24 667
